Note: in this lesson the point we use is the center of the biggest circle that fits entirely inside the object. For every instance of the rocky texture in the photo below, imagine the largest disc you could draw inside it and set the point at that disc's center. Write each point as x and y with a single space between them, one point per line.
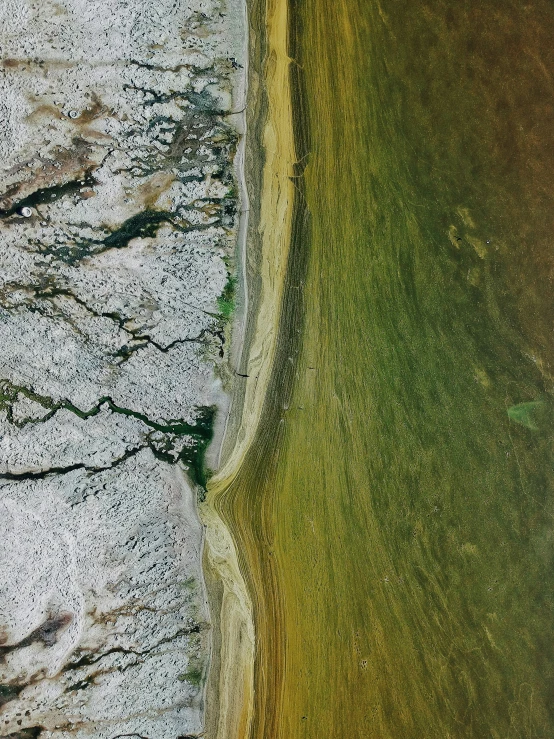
103 631
118 213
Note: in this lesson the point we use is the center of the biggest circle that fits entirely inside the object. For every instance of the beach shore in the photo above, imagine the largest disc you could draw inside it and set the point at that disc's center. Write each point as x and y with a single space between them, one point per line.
266 165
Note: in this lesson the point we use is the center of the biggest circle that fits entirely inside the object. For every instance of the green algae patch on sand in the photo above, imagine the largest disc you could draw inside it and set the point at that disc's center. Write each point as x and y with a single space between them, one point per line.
226 301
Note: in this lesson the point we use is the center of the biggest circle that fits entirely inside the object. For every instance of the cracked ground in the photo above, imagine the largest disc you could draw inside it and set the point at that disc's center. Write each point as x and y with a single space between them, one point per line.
118 223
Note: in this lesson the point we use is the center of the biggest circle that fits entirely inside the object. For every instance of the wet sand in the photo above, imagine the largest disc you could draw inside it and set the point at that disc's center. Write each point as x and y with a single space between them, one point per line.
264 250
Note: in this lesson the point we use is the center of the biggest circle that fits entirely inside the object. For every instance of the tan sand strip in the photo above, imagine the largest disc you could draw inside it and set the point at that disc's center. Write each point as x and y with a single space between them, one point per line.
235 662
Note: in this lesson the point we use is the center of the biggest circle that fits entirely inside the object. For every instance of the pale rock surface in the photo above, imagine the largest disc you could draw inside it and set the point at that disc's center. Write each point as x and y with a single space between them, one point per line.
118 220
109 633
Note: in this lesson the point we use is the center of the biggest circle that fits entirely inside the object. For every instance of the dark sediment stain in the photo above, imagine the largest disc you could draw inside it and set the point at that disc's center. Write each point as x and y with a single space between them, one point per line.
40 174
47 633
30 733
46 195
9 693
143 225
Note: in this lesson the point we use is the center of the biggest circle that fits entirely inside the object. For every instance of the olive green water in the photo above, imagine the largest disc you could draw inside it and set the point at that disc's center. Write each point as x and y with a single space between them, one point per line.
396 512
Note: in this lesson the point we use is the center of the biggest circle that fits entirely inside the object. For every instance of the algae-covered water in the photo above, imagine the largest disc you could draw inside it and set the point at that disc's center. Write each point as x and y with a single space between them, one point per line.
395 514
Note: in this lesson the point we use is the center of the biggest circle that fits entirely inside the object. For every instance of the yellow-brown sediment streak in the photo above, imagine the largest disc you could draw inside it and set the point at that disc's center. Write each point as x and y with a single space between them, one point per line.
275 227
236 618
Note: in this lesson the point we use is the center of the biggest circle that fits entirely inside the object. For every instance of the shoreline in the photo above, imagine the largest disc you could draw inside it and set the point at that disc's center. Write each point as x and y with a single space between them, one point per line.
265 251
216 586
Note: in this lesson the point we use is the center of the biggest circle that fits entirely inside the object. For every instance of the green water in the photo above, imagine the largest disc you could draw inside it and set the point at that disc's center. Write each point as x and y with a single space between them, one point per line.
397 508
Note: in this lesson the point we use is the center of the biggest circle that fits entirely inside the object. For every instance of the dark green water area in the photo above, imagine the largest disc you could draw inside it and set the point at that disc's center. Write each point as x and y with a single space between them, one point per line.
404 571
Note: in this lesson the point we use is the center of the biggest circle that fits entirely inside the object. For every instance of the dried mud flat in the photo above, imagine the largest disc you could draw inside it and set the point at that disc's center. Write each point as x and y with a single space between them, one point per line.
118 223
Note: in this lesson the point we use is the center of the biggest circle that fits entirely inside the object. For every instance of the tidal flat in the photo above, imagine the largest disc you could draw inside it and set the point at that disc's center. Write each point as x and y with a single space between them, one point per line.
393 516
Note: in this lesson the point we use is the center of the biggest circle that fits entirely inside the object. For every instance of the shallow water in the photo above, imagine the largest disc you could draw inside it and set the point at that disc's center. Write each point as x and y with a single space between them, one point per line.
395 514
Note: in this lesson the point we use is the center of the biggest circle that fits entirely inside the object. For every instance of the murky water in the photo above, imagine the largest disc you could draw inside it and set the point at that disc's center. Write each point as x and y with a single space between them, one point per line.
395 514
